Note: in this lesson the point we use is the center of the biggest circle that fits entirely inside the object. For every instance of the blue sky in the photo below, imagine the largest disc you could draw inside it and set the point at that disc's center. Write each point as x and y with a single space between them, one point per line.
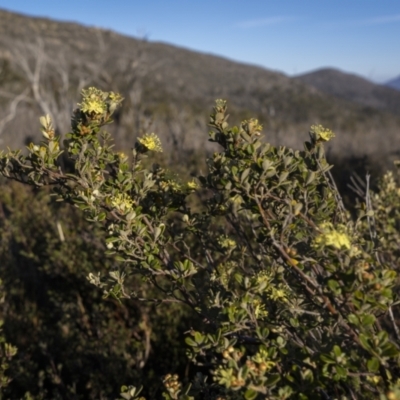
292 36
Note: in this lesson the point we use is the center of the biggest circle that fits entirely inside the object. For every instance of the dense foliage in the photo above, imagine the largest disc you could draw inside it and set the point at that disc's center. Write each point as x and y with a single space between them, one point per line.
279 291
70 341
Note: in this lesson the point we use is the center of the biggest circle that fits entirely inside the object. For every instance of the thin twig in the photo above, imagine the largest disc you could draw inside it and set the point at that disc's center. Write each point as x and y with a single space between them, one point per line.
396 328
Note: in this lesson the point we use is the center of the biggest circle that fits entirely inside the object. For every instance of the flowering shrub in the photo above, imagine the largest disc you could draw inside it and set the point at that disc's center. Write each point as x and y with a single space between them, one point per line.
294 298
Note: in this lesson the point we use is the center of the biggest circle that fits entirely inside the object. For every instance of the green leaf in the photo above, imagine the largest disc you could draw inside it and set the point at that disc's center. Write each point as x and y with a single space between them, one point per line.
272 380
157 233
244 175
353 319
250 394
283 176
373 364
270 173
266 164
326 358
337 351
341 371
280 341
389 350
198 337
101 217
294 322
364 342
368 320
334 285
250 149
189 341
310 177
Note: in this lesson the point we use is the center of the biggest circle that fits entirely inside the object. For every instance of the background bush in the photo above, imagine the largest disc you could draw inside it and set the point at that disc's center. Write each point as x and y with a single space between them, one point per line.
71 342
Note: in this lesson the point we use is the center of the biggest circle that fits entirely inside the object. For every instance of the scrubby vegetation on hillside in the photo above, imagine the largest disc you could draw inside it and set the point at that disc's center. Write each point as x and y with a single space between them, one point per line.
44 64
250 280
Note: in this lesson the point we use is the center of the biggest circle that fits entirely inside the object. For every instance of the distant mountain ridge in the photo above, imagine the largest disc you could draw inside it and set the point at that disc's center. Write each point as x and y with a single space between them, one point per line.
353 88
173 89
394 83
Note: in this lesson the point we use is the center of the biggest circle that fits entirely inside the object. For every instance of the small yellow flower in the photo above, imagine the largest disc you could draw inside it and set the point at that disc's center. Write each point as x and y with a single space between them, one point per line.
93 101
220 104
236 199
389 182
226 243
33 147
331 237
170 185
122 156
192 185
392 395
115 96
293 261
252 127
151 141
259 308
42 151
47 127
278 294
93 106
374 379
319 133
122 202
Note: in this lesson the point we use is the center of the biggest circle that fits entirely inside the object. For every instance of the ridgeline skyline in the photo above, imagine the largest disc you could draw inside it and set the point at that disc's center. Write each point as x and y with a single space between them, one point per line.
361 37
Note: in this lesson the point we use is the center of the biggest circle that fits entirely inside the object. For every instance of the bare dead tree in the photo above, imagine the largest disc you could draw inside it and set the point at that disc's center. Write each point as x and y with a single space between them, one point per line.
12 109
48 78
53 78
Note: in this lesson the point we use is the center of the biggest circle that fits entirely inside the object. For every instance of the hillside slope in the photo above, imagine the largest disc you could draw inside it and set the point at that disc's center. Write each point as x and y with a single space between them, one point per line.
394 83
171 90
353 88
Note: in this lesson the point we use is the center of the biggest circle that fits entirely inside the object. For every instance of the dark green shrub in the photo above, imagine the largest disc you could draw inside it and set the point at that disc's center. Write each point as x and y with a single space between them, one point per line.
293 295
71 342
7 352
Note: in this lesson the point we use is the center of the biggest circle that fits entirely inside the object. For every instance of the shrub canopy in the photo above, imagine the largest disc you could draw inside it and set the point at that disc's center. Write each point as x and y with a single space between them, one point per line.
290 296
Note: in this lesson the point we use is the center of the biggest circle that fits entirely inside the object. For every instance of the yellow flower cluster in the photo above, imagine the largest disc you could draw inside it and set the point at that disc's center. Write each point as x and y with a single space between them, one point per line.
389 183
267 286
320 134
41 151
223 273
122 202
172 384
330 236
259 308
192 185
93 101
262 357
252 127
122 156
170 185
226 243
278 294
236 199
151 141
